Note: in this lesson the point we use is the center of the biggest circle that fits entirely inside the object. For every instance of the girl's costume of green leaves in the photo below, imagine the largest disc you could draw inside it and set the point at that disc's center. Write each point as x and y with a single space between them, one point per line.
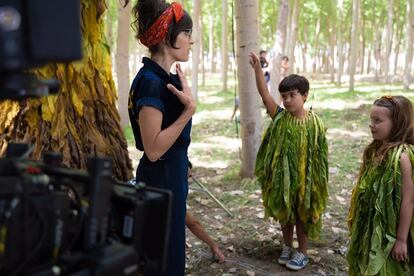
292 168
374 215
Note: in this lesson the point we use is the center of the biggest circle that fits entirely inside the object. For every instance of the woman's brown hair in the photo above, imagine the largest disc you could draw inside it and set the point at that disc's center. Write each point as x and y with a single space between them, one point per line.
146 12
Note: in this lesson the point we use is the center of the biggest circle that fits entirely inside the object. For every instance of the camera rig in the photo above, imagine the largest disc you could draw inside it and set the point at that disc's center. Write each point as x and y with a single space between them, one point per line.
32 34
58 221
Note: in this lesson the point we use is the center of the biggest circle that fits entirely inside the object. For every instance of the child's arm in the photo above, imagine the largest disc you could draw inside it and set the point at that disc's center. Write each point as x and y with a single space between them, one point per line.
400 252
198 230
267 99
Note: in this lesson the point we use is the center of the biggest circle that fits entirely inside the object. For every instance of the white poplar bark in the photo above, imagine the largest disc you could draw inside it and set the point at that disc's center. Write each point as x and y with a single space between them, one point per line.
354 43
247 40
409 45
122 62
196 47
224 46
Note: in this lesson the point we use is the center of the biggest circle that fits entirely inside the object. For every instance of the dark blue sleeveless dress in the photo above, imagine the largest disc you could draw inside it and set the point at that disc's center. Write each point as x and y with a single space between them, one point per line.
149 88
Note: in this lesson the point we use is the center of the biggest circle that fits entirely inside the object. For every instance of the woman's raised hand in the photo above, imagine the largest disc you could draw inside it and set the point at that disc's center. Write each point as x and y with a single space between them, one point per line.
185 95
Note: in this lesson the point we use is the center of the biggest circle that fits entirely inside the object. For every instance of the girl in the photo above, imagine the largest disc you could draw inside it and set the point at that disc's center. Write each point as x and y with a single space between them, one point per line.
292 165
383 198
160 109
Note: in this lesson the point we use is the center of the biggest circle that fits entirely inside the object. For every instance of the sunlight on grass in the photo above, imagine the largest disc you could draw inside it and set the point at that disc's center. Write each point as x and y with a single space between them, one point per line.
219 164
349 133
220 114
338 104
212 100
215 138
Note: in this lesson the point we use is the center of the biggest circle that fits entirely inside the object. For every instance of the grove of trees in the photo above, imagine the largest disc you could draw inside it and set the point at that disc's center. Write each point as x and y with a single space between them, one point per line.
342 41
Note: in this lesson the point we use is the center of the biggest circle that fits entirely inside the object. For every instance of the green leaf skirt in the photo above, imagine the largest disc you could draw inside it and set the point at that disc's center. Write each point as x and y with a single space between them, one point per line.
374 215
292 168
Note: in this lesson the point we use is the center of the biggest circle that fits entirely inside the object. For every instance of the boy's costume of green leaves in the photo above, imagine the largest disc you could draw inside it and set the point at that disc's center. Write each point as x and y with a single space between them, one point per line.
374 215
292 168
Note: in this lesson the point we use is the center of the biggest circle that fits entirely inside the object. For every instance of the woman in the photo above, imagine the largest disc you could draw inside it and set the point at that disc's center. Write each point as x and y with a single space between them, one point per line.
160 108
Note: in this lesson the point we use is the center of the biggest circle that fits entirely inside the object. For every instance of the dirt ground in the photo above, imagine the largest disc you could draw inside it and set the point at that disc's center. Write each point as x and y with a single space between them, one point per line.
251 243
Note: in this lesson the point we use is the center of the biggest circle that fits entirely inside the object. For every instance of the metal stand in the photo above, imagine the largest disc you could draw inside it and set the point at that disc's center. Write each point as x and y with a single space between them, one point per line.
212 196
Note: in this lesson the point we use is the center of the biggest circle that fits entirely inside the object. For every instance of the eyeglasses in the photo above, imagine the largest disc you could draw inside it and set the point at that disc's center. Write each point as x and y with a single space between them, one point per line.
188 32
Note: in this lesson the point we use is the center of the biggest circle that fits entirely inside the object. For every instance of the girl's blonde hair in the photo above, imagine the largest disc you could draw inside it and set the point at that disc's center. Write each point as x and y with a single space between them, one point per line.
402 130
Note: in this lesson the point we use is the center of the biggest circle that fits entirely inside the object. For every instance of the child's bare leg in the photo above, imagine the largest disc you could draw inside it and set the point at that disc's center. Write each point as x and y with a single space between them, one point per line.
287 231
302 237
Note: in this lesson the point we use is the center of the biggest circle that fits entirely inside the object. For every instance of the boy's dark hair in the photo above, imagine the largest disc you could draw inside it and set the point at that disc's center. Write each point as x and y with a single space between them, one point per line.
190 165
146 12
285 57
294 82
262 52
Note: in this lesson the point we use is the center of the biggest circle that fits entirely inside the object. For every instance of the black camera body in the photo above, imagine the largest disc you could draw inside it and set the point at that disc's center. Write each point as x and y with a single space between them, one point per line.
33 33
79 223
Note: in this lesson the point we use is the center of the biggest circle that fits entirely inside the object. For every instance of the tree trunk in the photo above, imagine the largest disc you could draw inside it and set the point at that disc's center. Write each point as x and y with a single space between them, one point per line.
247 40
361 58
331 34
211 45
398 39
369 61
325 60
316 48
122 61
288 26
293 35
340 42
111 16
388 41
224 46
278 49
135 59
109 26
202 47
409 44
80 121
196 47
354 43
377 54
304 49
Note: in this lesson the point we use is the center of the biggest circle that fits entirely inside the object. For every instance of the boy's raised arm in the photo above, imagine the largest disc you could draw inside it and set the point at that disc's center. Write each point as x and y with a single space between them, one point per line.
267 99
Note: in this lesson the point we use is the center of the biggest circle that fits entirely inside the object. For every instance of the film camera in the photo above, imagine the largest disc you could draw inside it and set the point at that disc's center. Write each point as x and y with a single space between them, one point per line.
55 220
33 33
58 221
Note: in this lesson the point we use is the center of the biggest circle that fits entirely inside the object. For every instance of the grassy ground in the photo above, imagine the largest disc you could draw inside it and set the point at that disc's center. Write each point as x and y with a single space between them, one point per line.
251 243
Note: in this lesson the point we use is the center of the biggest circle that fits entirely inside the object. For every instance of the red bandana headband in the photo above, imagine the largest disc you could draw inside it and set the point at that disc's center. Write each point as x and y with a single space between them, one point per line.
156 33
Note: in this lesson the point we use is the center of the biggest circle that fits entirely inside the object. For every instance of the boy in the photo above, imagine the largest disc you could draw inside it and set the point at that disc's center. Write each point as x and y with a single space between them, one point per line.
292 165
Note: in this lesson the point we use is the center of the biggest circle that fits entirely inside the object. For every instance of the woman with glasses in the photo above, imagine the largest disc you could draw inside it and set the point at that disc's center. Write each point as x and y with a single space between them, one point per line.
160 109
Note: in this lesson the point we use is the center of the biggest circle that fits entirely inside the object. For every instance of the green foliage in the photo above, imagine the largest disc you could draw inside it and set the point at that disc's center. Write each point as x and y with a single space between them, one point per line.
292 168
268 12
373 217
320 22
111 20
129 135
